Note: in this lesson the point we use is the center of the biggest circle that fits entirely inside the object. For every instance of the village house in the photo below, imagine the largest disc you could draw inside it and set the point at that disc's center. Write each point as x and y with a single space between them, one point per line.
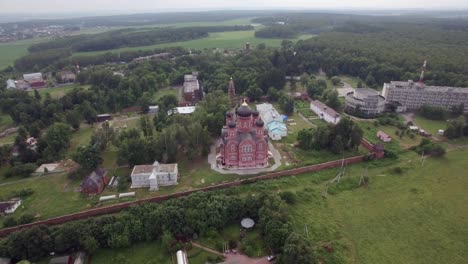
35 80
273 121
103 117
155 175
244 141
383 136
324 112
9 207
66 77
95 182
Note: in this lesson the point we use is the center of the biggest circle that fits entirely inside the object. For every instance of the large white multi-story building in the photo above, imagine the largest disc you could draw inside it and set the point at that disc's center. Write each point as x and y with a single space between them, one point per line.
412 95
364 102
155 175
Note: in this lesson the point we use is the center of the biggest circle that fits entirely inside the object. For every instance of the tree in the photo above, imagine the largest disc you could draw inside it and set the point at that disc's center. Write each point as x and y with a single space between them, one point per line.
254 93
89 244
89 157
167 241
146 126
273 94
73 119
37 95
335 80
297 250
330 98
287 104
57 140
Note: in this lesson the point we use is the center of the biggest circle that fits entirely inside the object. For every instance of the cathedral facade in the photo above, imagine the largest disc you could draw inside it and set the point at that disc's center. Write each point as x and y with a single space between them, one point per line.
244 140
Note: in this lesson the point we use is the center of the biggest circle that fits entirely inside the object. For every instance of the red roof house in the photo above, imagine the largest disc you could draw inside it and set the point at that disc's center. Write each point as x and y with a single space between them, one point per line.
95 182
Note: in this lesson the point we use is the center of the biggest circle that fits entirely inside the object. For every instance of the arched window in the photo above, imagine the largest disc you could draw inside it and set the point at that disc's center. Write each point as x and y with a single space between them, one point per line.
260 146
233 147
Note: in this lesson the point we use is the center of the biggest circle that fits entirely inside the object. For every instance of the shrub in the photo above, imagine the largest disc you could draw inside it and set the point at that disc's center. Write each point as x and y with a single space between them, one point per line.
9 222
288 196
25 219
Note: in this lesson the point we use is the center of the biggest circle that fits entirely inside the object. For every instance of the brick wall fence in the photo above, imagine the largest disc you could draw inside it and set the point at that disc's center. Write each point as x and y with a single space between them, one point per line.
121 206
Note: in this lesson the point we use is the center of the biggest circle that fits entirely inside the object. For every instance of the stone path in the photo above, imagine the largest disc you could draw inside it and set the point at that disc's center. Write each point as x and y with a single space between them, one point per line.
208 249
214 166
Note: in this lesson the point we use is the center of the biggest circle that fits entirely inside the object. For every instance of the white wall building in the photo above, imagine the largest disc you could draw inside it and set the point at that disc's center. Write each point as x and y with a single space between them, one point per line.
324 112
155 175
273 121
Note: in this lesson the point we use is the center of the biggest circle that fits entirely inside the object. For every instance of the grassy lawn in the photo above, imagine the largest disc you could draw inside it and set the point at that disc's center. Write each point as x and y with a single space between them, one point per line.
138 253
58 92
10 139
167 91
432 126
11 51
53 195
419 216
80 137
221 40
397 143
5 121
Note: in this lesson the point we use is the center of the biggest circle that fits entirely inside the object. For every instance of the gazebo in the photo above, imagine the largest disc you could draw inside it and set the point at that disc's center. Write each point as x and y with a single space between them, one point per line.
247 223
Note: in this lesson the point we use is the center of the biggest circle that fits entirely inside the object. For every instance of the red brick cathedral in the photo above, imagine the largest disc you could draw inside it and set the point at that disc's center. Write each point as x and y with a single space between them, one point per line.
244 141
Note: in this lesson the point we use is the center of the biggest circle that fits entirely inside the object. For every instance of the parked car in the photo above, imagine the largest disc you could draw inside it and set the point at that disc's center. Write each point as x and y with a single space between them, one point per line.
271 258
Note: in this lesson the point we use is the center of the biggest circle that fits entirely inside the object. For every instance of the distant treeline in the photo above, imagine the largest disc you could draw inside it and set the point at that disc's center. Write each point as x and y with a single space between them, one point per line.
131 38
139 19
394 53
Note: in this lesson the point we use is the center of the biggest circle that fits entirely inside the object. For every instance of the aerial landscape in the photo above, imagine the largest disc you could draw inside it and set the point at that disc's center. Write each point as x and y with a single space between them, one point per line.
175 132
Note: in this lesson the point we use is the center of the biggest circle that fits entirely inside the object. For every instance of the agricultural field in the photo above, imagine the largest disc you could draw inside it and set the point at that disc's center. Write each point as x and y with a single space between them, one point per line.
11 51
220 40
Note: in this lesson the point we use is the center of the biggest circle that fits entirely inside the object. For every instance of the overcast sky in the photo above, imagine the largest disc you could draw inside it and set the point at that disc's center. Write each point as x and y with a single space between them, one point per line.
127 6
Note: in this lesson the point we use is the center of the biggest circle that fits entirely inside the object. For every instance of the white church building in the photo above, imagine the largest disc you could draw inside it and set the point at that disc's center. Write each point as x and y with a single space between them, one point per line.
153 176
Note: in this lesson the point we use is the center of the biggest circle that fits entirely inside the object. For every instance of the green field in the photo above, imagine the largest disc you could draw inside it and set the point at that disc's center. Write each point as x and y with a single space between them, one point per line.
58 92
11 51
431 126
176 91
221 40
418 216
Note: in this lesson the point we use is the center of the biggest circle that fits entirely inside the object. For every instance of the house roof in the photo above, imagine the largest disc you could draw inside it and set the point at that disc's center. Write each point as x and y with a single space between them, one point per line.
382 134
269 113
94 179
275 125
148 169
323 107
32 76
191 83
4 206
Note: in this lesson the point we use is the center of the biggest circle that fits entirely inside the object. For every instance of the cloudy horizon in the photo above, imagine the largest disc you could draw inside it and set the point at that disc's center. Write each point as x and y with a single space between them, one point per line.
139 6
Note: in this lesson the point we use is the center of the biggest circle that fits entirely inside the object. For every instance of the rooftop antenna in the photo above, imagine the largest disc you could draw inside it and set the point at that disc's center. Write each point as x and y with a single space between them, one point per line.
421 77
